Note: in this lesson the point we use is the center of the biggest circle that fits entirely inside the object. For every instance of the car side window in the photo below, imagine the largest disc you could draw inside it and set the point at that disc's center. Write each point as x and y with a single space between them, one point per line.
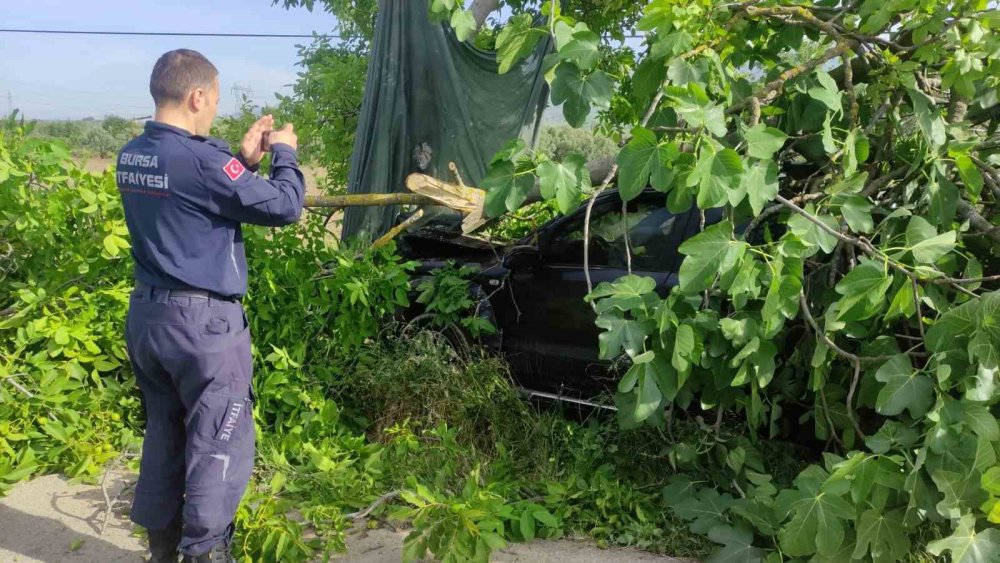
653 240
653 236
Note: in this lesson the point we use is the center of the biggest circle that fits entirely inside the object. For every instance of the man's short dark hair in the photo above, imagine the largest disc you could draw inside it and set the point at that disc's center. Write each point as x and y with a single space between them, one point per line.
178 72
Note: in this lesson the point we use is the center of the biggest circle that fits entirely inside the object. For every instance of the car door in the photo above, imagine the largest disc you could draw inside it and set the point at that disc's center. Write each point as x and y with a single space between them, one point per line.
555 344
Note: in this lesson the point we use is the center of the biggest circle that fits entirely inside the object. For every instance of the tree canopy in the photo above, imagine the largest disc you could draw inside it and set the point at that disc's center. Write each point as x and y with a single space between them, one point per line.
851 149
849 294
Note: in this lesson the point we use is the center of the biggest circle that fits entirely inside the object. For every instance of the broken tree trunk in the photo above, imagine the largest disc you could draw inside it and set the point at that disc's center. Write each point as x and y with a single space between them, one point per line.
461 198
428 191
366 200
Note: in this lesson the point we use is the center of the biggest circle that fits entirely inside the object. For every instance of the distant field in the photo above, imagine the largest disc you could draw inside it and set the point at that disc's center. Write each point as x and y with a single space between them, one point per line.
310 172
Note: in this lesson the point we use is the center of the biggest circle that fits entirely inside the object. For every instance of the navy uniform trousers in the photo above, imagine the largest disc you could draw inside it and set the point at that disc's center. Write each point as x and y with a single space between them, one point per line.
191 357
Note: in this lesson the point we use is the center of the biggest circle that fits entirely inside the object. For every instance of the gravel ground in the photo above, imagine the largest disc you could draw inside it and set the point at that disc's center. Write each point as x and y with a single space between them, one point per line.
49 520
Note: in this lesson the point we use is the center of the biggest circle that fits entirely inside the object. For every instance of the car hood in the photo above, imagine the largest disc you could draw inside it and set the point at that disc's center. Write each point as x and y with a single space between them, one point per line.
435 244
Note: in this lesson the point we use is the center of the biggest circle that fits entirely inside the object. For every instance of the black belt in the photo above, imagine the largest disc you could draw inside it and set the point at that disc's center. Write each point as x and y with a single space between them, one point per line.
197 293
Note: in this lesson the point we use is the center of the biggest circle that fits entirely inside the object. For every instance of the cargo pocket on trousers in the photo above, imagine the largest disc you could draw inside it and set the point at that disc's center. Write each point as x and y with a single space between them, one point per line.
219 422
216 325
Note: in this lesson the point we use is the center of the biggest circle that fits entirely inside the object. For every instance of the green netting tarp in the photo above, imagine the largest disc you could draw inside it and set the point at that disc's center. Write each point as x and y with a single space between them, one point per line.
431 99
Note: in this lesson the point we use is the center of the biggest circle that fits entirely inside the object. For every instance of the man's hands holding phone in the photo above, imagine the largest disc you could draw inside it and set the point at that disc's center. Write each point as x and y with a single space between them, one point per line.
284 135
262 135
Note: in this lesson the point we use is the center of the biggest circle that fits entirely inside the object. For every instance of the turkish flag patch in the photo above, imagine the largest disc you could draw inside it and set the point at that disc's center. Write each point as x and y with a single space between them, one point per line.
233 169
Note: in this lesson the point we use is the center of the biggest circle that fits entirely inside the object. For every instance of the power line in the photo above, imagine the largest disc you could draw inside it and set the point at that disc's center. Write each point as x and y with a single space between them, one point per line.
169 33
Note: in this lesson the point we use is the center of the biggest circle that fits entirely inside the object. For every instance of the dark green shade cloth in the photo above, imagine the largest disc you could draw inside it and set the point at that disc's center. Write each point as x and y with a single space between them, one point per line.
425 89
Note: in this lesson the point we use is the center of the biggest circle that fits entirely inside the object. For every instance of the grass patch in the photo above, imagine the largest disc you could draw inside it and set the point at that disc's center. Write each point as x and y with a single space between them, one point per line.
443 418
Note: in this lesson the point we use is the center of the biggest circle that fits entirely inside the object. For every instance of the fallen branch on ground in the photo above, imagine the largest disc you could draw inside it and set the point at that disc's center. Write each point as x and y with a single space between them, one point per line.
378 502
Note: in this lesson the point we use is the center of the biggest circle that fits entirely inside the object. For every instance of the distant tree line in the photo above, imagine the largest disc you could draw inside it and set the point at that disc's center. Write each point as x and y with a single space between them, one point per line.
91 137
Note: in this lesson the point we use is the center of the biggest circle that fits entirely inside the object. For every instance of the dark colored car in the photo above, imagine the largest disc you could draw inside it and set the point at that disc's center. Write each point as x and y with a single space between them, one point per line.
533 291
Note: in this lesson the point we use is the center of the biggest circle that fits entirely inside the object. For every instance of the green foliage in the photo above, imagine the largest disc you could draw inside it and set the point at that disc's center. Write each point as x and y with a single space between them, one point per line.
697 109
90 138
867 301
580 91
904 389
356 18
564 181
968 546
867 307
326 97
454 12
511 178
639 159
991 484
763 142
446 296
508 185
716 175
101 142
558 142
338 426
516 40
525 221
119 126
471 454
324 106
62 235
711 251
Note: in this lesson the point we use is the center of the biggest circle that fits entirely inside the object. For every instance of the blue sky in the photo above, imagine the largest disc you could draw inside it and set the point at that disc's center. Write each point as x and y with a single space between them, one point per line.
76 76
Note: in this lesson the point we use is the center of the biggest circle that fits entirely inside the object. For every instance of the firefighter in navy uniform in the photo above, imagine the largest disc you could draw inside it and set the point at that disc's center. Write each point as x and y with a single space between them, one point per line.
185 196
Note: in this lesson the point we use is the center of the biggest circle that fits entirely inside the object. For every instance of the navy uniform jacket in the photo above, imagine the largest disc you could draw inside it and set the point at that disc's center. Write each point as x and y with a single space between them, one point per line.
185 197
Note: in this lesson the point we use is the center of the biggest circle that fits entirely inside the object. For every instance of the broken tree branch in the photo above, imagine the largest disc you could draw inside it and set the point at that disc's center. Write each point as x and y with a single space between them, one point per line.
958 106
12 379
989 175
774 87
366 200
378 502
481 9
878 183
854 358
778 207
829 421
108 506
920 308
650 111
944 281
863 245
967 211
855 109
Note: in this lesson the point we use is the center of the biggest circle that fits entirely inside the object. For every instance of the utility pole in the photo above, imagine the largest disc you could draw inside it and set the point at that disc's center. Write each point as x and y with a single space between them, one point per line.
240 92
10 103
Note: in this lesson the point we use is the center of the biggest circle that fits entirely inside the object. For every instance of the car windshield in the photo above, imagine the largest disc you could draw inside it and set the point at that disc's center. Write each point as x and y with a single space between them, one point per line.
649 230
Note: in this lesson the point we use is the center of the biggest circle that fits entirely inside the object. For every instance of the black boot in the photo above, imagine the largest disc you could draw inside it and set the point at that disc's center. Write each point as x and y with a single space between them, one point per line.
219 554
220 551
163 543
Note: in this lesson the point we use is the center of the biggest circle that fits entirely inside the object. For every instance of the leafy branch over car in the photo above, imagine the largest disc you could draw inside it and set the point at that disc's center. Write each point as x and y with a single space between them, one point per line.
873 306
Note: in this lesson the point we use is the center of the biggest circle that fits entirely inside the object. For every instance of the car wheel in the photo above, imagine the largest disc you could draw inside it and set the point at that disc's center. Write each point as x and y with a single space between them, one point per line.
449 336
